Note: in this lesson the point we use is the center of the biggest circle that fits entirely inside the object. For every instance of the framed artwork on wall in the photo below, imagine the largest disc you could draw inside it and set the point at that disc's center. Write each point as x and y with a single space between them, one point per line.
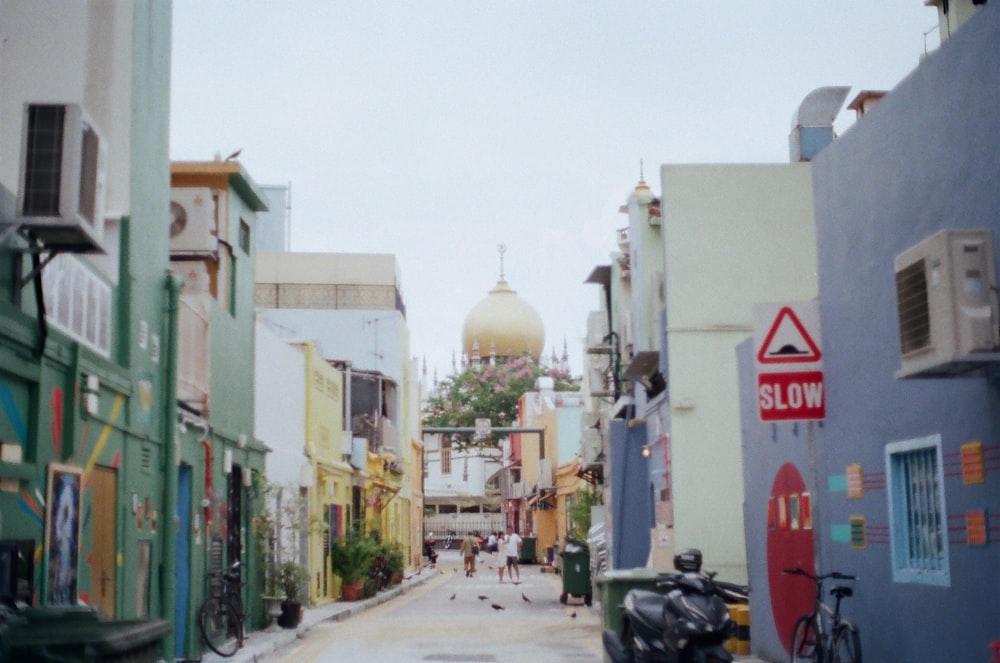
62 532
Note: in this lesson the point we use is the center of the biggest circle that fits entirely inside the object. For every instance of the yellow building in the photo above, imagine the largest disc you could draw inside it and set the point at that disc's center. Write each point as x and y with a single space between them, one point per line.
330 478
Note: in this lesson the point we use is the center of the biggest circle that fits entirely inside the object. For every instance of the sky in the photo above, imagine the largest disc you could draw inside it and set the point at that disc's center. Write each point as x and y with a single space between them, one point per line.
437 130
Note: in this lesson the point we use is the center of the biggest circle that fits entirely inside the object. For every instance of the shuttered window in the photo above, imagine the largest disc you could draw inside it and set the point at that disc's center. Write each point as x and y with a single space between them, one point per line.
917 511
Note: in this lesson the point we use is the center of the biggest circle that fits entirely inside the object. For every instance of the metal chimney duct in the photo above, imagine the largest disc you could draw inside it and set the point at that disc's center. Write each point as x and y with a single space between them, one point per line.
812 123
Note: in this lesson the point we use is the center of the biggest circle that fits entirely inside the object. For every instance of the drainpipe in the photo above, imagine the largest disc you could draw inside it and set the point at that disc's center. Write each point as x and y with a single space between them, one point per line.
208 482
170 488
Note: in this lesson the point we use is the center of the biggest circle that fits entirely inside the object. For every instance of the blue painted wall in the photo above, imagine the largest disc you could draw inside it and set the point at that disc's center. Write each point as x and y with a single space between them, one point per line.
926 158
631 508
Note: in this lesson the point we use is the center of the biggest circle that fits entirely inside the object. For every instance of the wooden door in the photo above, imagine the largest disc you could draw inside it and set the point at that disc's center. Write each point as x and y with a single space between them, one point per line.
103 586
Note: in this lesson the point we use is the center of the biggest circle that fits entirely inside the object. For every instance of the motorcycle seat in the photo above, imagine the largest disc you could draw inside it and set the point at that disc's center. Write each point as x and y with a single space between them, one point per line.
649 607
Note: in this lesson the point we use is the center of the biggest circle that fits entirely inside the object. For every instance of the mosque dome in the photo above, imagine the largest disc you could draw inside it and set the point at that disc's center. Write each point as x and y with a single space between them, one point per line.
502 322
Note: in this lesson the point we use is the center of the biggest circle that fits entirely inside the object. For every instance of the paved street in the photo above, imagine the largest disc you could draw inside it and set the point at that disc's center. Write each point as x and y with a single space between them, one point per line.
454 618
421 622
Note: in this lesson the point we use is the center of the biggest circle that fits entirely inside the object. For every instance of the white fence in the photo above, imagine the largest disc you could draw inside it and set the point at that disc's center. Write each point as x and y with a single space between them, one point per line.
460 523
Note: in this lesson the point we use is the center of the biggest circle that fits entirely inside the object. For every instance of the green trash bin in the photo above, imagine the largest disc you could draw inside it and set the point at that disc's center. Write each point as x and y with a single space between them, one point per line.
576 572
614 584
75 634
528 550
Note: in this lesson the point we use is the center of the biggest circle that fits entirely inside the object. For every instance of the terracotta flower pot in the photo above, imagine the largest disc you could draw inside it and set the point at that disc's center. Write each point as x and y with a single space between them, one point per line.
353 591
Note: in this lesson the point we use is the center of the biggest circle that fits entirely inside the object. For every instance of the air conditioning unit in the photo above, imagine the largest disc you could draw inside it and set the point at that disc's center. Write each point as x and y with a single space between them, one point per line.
597 333
591 445
192 220
545 477
597 377
947 304
60 198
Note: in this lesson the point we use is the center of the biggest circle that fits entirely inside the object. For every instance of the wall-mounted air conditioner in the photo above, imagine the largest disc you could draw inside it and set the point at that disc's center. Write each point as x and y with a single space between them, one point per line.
545 476
947 303
597 333
192 220
590 445
598 381
60 198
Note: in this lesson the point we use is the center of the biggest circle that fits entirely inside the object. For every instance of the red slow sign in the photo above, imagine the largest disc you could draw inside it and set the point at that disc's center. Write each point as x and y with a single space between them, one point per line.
791 396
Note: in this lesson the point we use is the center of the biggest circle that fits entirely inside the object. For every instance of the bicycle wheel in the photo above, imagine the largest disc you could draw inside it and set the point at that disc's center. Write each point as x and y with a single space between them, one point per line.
805 648
846 644
220 627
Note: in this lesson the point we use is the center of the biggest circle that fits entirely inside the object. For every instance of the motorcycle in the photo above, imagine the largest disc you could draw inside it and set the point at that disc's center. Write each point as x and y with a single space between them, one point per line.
429 552
689 623
449 539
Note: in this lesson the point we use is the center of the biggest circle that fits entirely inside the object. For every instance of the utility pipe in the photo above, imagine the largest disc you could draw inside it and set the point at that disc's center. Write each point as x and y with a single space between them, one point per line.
170 462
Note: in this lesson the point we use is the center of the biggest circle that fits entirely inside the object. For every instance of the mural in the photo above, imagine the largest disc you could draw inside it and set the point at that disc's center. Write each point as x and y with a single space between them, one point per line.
62 535
790 544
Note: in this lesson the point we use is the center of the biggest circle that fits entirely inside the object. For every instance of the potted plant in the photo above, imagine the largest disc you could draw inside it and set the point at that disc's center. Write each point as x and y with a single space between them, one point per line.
294 583
278 527
351 559
265 526
395 560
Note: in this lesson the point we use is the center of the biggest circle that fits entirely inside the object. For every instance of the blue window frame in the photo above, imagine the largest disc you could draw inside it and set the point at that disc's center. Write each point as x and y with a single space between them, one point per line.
917 515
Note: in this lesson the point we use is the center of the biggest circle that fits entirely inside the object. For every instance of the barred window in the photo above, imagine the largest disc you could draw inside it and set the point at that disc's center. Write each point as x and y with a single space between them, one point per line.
446 456
917 512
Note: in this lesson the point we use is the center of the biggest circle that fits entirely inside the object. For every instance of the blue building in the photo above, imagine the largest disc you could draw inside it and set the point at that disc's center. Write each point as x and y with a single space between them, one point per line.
900 482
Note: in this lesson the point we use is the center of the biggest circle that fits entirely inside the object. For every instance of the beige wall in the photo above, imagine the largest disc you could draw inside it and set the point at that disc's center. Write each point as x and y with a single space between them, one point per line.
734 235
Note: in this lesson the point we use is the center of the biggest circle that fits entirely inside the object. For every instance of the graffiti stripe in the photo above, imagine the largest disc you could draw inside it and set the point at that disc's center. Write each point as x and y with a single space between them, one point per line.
9 407
116 410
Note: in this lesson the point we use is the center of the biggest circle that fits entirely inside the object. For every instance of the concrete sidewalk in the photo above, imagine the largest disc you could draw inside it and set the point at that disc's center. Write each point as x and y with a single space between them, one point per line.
260 646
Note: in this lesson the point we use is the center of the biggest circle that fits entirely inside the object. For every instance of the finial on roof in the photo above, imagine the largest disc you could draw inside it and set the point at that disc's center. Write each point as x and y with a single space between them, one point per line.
642 191
502 249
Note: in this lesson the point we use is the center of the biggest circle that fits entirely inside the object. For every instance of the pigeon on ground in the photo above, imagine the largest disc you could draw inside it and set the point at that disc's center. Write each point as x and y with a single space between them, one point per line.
497 606
483 597
572 615
526 599
452 598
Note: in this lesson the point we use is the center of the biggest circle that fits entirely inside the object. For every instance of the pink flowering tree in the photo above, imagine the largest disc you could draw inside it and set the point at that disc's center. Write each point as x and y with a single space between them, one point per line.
489 392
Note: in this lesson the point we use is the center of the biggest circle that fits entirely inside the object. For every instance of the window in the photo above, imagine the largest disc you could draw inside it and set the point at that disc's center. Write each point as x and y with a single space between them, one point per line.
918 526
446 456
78 302
245 236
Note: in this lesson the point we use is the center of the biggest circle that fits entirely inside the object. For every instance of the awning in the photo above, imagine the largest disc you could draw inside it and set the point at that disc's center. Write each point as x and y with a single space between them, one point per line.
547 497
643 365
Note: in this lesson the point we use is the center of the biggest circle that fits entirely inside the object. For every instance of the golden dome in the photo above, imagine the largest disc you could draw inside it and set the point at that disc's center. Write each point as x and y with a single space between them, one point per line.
503 322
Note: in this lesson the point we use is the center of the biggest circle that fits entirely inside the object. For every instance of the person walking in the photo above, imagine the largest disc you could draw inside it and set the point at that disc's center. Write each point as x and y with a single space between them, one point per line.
502 549
512 548
468 548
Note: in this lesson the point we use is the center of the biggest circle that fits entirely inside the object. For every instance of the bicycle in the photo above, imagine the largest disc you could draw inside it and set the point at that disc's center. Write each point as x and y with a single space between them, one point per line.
220 617
811 640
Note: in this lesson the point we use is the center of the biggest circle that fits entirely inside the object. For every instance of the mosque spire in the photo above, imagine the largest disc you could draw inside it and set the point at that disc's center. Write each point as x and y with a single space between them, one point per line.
502 249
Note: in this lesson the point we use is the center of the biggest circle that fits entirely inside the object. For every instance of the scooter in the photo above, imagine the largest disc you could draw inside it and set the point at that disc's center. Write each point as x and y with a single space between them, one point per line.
449 539
429 552
687 623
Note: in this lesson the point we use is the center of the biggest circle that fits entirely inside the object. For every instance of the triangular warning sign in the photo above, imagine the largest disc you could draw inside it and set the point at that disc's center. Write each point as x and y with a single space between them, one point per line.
788 342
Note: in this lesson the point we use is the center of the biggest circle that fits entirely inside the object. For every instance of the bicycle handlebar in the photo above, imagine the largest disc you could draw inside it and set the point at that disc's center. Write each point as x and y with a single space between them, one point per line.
837 575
